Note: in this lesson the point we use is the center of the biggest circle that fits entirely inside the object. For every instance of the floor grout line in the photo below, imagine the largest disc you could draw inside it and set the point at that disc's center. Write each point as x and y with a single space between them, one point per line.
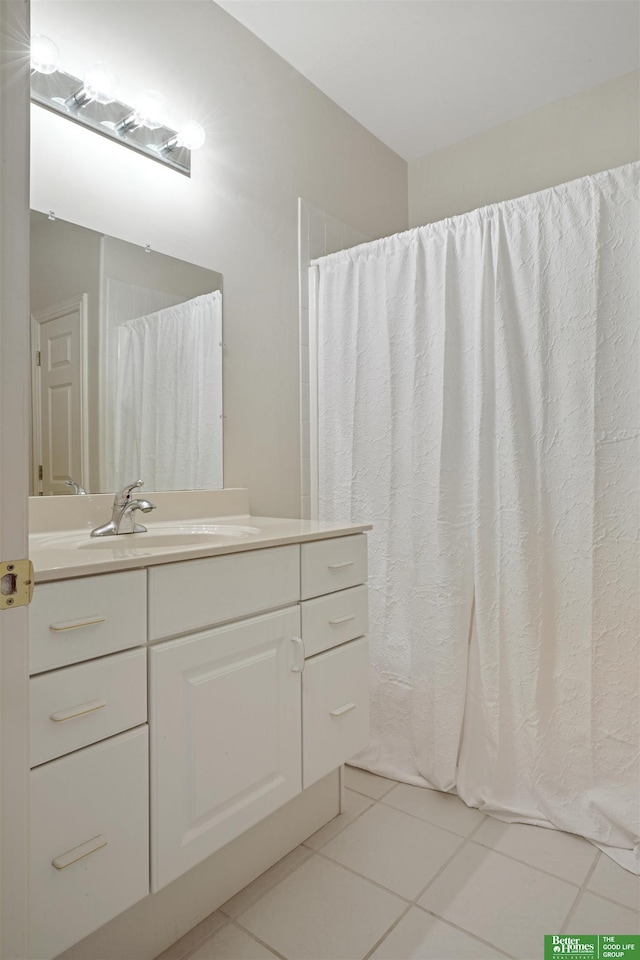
467 933
441 870
572 910
477 827
614 903
310 852
374 799
586 889
525 863
201 943
342 828
414 816
592 870
394 783
262 943
361 876
384 936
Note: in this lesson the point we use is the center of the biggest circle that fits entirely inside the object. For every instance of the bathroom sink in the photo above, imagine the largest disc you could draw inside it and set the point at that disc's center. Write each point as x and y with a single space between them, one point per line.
182 535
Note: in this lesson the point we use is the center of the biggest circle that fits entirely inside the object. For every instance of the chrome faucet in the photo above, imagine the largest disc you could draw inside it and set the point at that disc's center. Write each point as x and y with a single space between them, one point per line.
77 488
122 517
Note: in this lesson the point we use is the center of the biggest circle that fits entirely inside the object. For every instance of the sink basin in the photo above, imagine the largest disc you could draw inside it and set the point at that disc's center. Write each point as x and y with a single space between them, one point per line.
176 536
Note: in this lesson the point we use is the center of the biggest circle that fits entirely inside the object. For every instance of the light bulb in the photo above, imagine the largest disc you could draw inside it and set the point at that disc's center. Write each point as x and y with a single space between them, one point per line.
45 57
149 110
100 83
191 137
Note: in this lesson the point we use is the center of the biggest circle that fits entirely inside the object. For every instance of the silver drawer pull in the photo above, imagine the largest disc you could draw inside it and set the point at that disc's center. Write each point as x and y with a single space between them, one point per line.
299 666
79 711
338 620
340 711
339 566
78 853
74 624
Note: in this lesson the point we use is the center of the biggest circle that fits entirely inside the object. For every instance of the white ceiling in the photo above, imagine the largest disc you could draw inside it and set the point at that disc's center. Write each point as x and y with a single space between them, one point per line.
422 74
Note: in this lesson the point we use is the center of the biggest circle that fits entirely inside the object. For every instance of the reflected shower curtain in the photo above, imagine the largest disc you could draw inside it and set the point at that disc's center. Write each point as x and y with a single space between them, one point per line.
478 402
169 397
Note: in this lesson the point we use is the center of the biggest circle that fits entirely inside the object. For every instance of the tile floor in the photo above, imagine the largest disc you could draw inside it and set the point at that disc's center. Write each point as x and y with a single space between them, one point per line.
409 873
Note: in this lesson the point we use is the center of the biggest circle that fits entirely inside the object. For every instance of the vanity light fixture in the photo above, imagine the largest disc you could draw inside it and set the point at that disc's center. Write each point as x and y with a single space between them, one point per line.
148 112
99 85
191 138
45 57
92 103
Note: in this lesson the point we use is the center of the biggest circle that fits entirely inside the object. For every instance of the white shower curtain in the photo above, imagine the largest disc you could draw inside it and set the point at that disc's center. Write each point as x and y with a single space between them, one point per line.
169 397
478 402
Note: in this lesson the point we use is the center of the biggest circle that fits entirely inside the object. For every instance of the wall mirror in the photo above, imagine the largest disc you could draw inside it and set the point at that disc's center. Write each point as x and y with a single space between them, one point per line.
127 365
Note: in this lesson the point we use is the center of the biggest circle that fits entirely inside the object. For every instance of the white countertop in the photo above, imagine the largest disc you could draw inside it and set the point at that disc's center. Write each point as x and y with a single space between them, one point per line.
56 560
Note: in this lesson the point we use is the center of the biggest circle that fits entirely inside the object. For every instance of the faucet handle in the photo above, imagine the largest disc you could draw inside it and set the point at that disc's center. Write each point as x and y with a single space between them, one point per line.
123 495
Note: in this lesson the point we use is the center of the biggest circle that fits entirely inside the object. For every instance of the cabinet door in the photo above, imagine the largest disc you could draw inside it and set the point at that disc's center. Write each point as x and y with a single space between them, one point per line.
225 719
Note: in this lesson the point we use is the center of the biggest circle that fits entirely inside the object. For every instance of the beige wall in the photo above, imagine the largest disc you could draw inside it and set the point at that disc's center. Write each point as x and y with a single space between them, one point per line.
582 134
271 137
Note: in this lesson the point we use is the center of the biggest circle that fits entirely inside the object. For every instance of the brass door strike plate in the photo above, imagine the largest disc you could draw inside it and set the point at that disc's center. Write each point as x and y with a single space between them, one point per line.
16 583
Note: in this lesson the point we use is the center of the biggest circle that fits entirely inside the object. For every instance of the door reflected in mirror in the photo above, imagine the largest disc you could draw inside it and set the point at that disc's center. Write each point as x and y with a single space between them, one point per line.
127 365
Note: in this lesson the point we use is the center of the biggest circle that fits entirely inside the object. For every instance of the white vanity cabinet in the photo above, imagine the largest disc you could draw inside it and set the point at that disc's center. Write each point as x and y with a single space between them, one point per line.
254 666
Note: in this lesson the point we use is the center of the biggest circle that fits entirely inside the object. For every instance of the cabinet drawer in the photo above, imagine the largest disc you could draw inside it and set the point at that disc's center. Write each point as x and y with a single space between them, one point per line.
89 856
335 564
200 593
73 620
334 619
335 708
76 706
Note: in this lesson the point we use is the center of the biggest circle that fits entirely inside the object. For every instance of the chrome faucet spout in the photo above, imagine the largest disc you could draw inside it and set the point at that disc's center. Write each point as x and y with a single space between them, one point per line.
123 514
145 505
78 489
127 523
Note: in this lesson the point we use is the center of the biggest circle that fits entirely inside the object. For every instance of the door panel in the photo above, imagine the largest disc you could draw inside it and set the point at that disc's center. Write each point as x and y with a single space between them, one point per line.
59 399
